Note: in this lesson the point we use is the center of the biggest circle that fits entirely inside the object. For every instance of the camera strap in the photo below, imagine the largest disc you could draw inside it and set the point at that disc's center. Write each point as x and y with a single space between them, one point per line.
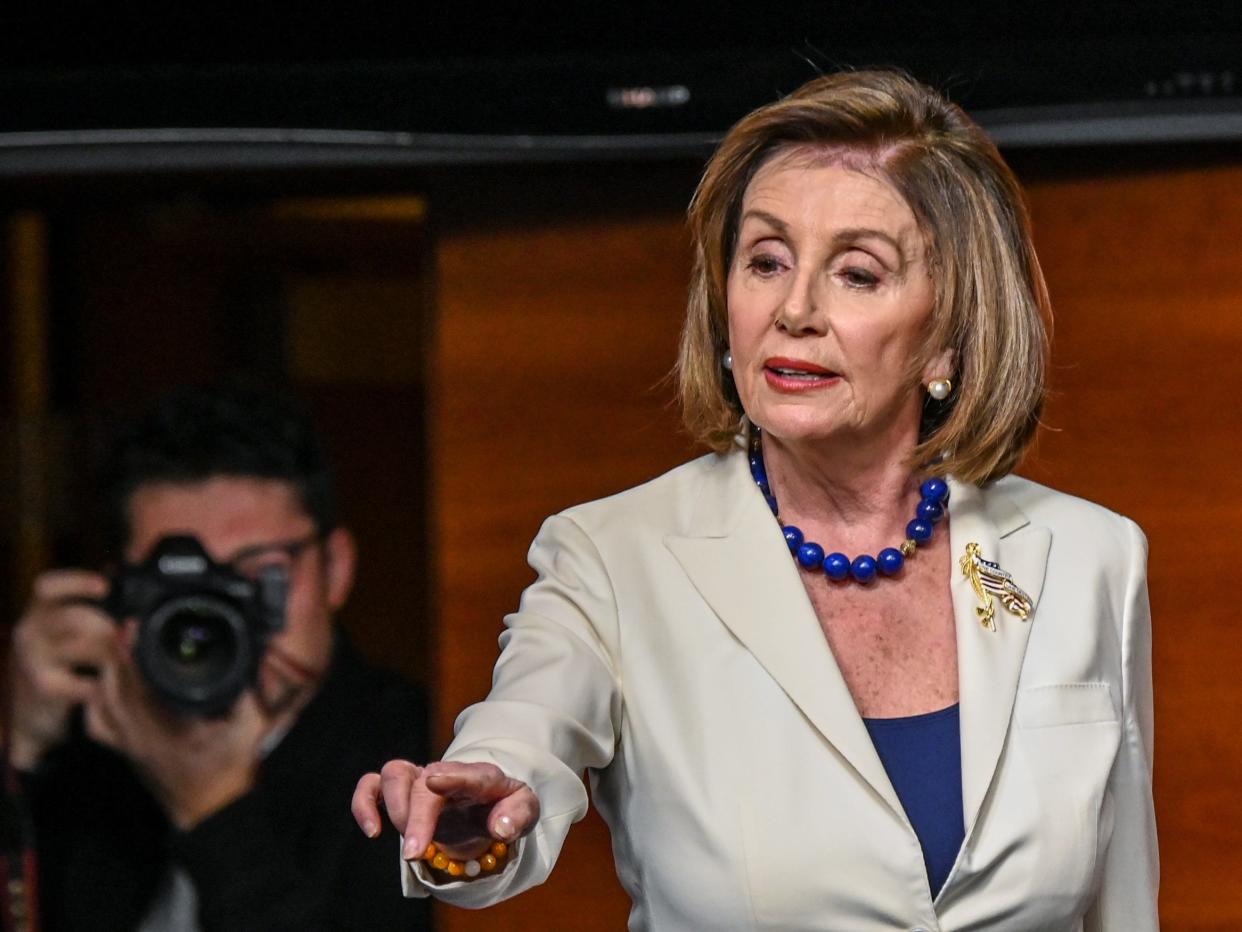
19 863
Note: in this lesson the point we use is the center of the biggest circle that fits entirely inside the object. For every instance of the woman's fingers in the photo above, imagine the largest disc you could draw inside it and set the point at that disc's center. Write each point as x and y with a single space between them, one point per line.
365 804
390 788
413 809
515 815
470 783
422 815
397 779
514 808
461 805
452 803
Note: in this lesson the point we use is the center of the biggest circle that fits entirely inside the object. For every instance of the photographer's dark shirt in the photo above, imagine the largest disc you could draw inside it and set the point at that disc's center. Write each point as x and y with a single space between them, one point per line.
286 856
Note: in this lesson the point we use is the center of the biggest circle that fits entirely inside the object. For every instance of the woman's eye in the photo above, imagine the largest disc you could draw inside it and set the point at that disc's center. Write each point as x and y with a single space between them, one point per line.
764 265
856 277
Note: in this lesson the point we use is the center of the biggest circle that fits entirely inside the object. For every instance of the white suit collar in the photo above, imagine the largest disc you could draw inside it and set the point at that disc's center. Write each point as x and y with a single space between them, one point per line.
735 555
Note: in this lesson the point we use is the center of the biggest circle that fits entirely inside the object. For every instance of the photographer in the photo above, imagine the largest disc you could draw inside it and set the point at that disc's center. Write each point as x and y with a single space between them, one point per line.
156 805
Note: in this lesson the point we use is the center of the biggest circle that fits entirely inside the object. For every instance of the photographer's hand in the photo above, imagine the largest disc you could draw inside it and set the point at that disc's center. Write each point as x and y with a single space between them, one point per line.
59 646
194 766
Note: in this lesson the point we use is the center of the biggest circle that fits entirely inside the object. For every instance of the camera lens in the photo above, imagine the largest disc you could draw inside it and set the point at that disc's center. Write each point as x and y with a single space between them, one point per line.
199 644
195 652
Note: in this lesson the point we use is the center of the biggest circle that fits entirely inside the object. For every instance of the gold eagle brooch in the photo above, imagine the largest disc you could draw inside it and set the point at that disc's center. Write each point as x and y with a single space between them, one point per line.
988 579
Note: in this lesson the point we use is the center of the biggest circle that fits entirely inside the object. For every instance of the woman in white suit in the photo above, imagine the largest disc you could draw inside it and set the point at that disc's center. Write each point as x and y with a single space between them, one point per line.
844 672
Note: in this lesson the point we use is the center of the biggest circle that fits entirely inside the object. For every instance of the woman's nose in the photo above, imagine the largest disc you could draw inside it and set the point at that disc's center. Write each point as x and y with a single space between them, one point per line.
802 313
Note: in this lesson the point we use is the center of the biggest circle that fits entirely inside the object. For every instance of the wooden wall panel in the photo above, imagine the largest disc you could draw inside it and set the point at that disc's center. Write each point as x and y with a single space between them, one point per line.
1146 278
553 339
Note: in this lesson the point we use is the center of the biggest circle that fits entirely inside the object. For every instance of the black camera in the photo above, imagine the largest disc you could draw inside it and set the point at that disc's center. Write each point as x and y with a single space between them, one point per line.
202 626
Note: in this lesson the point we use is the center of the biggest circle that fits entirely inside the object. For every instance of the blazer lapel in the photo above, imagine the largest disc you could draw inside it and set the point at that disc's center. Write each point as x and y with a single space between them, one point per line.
737 559
990 662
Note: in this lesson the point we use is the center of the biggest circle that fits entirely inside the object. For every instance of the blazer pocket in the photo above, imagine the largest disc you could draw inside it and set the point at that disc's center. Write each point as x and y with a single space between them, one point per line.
1065 704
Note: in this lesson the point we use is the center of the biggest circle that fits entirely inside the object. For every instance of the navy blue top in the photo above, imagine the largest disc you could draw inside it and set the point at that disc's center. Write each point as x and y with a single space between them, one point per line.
923 757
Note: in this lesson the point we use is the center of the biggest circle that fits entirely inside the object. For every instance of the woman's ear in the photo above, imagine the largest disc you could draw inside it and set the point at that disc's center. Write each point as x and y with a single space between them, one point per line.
942 365
341 557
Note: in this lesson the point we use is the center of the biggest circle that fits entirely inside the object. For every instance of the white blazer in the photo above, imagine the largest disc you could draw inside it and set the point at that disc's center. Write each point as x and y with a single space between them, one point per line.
669 649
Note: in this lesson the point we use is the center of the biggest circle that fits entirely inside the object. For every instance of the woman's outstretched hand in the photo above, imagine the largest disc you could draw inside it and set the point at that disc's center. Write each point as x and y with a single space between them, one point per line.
463 808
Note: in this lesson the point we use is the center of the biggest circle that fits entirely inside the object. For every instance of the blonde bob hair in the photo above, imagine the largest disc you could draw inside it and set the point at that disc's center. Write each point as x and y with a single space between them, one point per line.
991 301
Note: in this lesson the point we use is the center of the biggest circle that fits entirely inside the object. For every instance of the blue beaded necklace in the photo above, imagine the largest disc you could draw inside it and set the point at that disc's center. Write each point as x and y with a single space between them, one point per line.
863 568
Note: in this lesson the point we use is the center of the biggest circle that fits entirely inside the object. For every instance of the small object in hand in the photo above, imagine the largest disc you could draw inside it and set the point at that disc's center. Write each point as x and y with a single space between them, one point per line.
495 858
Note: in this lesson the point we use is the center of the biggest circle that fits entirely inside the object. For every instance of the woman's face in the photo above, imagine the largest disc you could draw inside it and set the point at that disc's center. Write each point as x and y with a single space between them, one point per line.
829 295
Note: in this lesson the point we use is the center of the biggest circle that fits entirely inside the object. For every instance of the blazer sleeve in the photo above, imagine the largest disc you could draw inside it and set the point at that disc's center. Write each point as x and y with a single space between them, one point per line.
1130 875
554 708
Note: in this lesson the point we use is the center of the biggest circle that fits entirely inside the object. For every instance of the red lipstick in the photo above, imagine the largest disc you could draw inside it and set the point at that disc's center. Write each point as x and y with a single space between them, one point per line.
797 375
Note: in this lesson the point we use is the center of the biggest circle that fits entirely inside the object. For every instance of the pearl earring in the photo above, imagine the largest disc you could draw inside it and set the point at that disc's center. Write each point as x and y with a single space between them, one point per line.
939 388
727 360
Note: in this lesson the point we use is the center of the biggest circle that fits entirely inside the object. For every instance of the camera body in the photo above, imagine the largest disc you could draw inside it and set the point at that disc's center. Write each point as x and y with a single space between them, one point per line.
202 626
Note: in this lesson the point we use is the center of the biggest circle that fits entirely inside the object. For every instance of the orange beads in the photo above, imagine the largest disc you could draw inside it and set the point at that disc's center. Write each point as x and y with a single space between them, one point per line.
492 860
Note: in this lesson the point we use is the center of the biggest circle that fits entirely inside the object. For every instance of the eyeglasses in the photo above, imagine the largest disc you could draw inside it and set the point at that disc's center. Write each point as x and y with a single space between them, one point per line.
251 561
